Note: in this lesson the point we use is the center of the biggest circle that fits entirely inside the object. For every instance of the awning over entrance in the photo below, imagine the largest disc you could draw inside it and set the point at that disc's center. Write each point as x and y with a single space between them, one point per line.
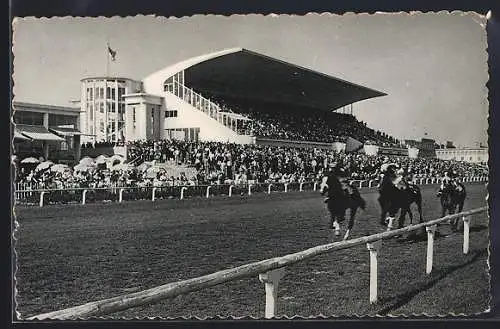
19 136
65 131
39 133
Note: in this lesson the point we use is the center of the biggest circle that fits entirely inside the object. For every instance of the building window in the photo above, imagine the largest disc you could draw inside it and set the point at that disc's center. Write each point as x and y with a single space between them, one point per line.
101 126
113 109
28 118
56 120
171 114
91 111
113 93
133 114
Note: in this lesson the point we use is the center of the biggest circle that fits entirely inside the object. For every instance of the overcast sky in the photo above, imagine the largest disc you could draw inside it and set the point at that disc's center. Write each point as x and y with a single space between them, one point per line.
432 66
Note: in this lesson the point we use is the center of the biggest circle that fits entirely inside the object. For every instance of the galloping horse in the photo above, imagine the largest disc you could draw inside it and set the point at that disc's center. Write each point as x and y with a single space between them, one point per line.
452 196
396 194
341 196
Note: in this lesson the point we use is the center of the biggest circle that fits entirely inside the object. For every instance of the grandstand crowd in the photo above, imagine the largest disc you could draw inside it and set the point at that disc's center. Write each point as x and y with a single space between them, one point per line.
288 122
222 163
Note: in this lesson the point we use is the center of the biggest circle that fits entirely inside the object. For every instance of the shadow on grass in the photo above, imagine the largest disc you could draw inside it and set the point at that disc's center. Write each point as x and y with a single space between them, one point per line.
404 298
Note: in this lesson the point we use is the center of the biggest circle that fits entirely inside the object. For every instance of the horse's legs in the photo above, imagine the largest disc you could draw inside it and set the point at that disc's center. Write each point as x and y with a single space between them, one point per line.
350 224
336 226
419 207
402 217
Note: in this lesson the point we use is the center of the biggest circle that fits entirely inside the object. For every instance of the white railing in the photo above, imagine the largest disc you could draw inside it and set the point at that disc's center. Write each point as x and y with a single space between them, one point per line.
210 108
270 271
29 190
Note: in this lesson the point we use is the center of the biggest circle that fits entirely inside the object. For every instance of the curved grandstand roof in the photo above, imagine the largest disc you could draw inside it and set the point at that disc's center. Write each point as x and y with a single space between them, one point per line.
241 73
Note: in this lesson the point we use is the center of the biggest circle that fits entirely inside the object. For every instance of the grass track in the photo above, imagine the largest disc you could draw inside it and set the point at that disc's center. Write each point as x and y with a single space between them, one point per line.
69 255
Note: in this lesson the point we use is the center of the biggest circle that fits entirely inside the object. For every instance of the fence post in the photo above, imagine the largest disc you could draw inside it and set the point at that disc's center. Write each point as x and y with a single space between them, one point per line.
271 280
84 196
286 187
153 194
466 220
360 184
41 198
315 186
208 191
120 196
249 189
269 188
231 190
182 192
300 186
370 182
374 248
430 247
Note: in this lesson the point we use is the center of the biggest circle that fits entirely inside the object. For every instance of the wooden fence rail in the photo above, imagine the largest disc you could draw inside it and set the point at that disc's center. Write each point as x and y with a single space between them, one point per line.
24 192
270 271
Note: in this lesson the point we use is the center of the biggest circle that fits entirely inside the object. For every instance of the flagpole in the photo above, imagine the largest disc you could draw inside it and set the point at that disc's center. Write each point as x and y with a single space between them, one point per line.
107 59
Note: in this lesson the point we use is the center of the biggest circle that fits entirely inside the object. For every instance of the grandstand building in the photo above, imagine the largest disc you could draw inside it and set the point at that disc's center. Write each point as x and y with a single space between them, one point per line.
222 96
46 131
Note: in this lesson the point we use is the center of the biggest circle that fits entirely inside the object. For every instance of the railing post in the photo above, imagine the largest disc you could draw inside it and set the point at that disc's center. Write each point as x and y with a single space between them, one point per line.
182 192
153 194
374 248
315 186
360 184
120 196
300 186
431 230
249 189
370 182
271 280
41 198
269 188
84 196
208 191
286 187
466 220
231 190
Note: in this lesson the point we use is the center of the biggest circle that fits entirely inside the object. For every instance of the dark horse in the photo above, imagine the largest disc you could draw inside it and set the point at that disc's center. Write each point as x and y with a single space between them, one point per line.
452 197
341 196
400 196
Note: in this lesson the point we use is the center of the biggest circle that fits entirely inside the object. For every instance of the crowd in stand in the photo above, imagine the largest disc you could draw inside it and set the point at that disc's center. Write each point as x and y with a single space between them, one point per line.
222 163
279 121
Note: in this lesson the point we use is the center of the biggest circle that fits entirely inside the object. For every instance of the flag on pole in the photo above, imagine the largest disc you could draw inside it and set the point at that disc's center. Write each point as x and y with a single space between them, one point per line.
112 53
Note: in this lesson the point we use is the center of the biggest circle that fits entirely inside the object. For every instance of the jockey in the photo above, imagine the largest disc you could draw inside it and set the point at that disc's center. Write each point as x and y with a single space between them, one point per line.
448 180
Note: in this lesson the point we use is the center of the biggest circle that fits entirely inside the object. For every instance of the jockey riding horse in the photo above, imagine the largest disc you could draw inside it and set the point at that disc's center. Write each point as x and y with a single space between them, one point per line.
340 196
452 195
389 195
397 193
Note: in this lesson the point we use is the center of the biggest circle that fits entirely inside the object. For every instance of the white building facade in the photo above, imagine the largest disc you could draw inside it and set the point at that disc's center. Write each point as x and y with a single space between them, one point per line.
472 155
103 107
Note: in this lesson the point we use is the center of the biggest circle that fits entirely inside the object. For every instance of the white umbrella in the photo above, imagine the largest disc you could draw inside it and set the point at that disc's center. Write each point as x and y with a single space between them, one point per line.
44 165
59 168
144 166
151 172
87 160
122 166
101 159
83 167
117 157
30 160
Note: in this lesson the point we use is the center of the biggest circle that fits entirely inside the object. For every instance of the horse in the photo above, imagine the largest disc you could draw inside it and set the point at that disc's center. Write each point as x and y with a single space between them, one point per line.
396 195
341 196
452 196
